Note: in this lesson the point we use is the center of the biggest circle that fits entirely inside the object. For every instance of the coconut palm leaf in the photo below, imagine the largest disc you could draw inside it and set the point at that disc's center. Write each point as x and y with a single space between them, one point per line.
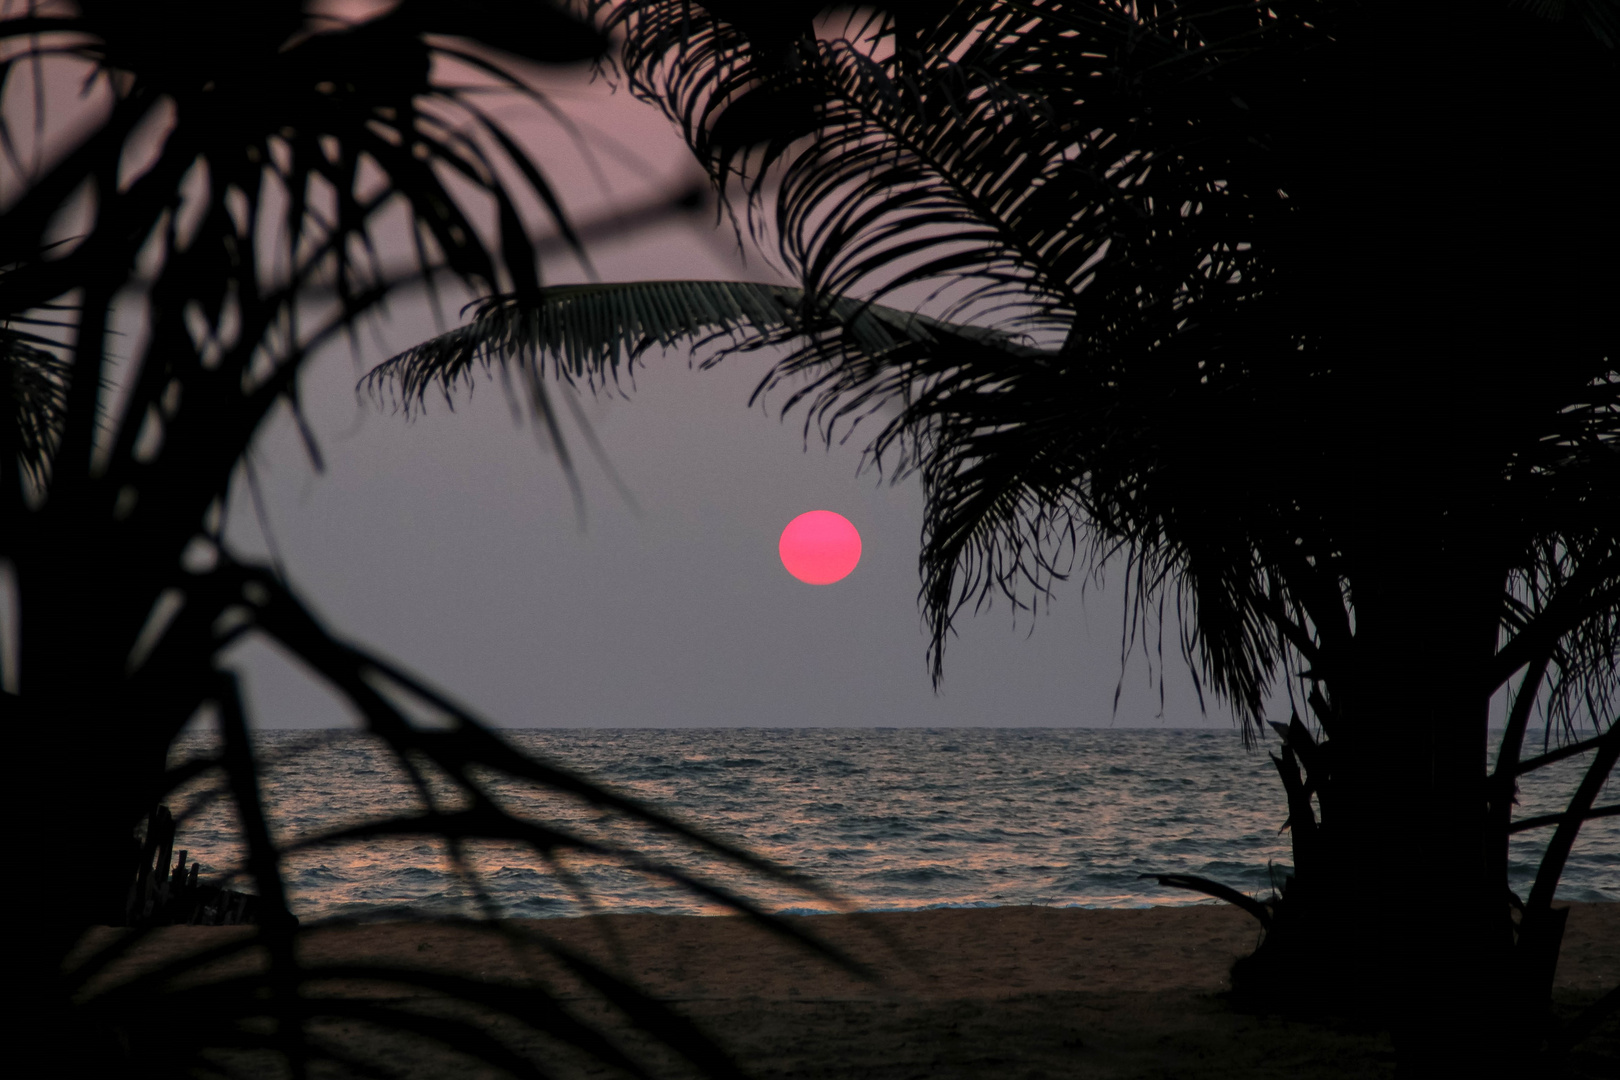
475 761
593 334
1105 225
35 382
1126 181
235 201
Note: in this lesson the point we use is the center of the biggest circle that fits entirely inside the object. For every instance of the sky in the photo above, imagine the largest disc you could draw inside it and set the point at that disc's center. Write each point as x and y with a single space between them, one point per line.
451 543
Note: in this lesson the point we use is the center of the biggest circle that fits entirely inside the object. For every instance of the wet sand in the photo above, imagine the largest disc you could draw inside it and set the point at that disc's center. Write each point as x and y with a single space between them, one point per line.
1017 992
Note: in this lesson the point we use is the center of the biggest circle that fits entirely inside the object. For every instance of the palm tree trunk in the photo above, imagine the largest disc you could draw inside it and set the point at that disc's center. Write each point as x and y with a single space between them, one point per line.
1411 875
1401 913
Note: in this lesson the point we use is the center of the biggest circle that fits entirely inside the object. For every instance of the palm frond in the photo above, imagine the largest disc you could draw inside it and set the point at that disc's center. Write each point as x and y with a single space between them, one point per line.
1054 170
476 763
1139 187
35 381
238 195
593 334
987 155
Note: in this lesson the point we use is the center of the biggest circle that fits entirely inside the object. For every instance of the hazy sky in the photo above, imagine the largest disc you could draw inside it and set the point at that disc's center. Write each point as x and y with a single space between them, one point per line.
451 543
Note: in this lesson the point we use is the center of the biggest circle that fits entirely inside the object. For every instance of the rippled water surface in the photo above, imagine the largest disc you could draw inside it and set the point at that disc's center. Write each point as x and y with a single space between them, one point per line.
885 818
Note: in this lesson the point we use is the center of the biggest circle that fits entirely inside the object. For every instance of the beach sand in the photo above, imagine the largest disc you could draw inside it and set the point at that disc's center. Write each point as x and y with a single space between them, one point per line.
1009 993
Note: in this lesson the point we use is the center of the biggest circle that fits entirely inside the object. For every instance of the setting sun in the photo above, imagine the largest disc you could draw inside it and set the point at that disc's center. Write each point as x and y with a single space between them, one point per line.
820 547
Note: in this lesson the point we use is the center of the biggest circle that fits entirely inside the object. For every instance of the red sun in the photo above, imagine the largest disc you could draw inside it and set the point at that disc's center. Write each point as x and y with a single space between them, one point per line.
820 547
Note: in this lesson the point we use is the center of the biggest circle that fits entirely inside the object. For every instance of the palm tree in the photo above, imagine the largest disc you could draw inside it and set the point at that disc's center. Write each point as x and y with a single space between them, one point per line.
1301 309
234 197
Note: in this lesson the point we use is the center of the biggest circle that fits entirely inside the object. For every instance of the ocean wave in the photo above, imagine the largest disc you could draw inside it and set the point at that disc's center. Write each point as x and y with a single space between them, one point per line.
888 819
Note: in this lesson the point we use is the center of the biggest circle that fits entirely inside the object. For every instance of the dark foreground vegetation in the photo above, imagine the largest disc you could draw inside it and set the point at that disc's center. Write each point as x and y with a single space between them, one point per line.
196 198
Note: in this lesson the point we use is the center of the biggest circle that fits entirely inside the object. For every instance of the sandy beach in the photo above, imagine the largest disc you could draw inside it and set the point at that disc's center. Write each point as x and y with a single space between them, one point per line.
1016 992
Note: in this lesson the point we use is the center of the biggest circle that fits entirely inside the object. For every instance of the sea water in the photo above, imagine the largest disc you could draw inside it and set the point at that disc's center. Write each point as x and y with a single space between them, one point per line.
876 818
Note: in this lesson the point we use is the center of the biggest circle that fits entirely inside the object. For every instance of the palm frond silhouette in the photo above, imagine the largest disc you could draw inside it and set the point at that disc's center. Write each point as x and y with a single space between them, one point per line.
1270 307
236 196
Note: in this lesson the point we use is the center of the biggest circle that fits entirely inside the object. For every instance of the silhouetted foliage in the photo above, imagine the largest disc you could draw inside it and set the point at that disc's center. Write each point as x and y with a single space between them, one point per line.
1312 309
222 178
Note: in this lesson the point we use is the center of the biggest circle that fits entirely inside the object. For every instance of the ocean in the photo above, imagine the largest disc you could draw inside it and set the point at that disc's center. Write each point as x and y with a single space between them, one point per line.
881 819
